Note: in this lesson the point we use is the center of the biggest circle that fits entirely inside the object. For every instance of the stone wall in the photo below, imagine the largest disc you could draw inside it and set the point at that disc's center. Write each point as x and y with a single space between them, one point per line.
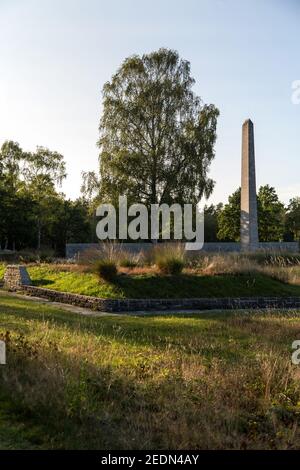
73 250
15 277
134 305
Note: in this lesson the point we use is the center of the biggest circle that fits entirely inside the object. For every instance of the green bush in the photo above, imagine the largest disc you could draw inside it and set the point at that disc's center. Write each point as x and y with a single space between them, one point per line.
170 266
128 263
106 269
114 252
169 258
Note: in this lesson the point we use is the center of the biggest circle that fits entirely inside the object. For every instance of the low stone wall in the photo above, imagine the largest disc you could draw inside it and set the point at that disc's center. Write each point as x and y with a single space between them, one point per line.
133 305
73 250
16 276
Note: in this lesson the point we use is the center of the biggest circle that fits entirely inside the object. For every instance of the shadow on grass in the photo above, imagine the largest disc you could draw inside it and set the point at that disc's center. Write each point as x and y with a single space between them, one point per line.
42 282
87 407
193 286
210 334
74 404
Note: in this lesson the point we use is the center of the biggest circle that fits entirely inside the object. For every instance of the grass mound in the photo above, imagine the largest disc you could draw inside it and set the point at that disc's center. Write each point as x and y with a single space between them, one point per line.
148 284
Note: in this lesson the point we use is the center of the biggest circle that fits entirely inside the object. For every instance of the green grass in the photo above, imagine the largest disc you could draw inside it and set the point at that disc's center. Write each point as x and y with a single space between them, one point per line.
16 429
152 285
2 269
155 286
214 380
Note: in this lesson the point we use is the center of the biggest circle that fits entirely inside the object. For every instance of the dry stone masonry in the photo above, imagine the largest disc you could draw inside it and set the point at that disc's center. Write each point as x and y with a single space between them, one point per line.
135 305
15 277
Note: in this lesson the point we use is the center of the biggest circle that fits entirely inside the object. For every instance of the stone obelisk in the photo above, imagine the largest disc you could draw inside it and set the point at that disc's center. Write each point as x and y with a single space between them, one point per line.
249 230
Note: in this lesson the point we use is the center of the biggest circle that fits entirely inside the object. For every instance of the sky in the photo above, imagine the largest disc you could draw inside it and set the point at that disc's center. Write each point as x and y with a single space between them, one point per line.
56 55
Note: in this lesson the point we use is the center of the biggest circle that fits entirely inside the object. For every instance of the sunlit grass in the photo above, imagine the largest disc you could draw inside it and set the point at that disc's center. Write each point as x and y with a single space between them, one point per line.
214 380
2 270
151 285
214 276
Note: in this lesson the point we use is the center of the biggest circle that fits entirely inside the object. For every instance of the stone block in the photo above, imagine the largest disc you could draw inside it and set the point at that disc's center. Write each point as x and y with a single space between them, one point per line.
15 277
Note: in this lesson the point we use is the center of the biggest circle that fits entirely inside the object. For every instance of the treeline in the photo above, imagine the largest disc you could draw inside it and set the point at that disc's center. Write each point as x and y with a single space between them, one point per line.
276 222
33 213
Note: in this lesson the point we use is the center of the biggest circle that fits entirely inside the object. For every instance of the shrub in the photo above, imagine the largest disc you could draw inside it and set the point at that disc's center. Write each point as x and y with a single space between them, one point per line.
170 266
169 258
106 269
127 259
109 251
128 263
101 260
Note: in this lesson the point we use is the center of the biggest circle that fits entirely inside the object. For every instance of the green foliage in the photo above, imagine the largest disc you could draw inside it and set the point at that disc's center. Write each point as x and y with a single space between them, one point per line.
293 217
32 213
10 163
156 136
229 218
172 266
169 258
153 285
106 269
270 216
78 382
128 262
90 186
211 222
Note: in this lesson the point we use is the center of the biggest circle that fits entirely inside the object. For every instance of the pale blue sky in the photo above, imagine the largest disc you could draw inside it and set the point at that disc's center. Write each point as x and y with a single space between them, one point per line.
57 54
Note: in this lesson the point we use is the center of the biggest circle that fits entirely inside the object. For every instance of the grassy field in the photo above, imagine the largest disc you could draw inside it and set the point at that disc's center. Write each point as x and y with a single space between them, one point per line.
2 269
152 285
214 380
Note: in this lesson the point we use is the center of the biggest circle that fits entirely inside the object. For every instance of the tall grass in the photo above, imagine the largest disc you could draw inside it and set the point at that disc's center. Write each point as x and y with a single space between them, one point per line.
215 264
113 252
169 258
215 382
284 267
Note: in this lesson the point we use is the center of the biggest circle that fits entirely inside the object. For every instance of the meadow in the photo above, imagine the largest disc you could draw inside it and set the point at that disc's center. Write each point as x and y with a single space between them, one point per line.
211 380
221 380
